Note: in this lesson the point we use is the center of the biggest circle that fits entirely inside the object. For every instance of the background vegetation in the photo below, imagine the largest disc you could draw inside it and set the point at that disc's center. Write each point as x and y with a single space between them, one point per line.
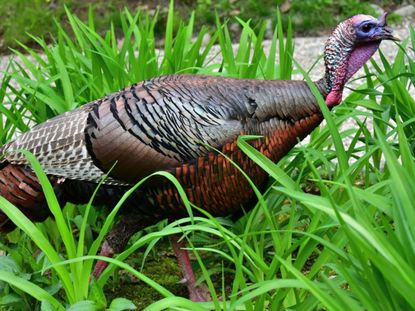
333 231
38 17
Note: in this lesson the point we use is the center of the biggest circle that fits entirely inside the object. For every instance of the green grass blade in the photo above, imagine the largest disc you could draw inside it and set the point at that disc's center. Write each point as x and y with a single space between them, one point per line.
30 288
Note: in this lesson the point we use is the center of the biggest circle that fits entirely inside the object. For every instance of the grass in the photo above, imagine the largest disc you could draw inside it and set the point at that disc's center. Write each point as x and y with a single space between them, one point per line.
351 246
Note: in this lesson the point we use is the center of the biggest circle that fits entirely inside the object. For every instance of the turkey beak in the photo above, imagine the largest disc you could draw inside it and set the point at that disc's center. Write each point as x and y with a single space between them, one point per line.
386 33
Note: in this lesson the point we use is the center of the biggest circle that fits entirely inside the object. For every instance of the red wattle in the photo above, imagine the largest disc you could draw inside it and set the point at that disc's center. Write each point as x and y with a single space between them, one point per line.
333 98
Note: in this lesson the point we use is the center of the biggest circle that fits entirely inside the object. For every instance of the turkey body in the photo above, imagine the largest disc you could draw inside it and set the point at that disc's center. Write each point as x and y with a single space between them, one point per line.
168 123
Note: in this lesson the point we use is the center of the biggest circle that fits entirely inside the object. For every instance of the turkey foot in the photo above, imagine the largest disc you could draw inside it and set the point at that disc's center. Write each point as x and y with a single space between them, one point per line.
196 293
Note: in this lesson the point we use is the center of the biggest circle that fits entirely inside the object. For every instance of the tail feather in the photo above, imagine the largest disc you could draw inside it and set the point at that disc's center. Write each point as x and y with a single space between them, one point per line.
20 186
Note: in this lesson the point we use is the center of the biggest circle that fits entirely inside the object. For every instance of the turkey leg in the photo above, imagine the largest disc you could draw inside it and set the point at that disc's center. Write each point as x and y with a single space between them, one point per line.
200 293
117 239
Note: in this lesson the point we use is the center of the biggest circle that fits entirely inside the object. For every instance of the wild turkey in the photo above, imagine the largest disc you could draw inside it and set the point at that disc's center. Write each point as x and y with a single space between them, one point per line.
167 123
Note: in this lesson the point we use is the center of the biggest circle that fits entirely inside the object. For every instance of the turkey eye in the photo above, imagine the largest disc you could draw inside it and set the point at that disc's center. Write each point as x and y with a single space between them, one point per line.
367 27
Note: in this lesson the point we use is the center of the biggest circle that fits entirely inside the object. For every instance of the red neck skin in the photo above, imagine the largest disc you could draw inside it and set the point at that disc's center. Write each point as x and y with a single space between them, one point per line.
358 57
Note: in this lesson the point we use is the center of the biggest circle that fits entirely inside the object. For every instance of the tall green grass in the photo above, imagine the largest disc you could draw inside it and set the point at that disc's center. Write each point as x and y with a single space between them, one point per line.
13 116
87 66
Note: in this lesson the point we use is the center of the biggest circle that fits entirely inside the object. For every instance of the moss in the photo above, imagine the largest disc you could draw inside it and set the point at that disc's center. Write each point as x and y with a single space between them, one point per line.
160 267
